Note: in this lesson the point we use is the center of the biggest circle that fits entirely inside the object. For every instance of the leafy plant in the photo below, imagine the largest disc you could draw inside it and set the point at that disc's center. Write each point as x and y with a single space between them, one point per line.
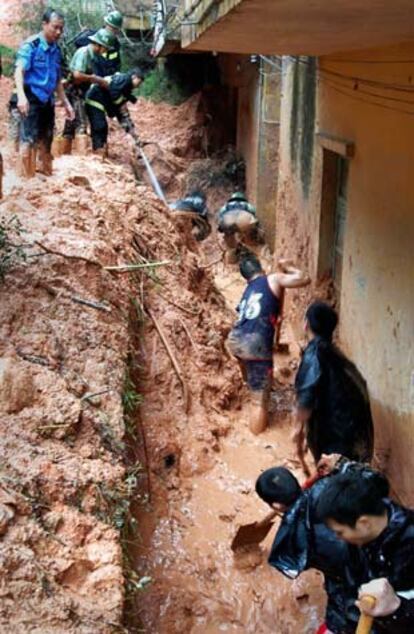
159 86
11 252
7 59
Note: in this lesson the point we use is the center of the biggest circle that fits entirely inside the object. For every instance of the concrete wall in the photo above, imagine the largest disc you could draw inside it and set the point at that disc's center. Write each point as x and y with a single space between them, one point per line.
377 297
248 119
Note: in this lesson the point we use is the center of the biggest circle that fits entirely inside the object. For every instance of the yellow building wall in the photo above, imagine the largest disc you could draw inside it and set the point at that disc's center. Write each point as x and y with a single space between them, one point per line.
377 297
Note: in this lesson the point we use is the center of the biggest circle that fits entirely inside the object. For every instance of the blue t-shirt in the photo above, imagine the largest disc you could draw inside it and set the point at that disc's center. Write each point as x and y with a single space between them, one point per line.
42 64
258 312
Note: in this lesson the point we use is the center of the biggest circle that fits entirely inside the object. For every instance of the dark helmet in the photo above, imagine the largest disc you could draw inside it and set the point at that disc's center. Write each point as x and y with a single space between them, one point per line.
238 196
103 38
114 19
194 201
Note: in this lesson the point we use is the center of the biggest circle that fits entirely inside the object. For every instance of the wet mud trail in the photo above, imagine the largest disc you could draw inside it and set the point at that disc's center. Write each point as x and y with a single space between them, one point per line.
201 494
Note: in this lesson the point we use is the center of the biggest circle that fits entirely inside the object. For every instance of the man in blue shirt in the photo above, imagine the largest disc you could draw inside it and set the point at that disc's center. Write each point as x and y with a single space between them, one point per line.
38 76
252 336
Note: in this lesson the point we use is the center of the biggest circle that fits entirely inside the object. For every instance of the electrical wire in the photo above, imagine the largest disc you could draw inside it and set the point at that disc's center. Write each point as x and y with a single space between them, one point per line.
371 61
368 101
361 80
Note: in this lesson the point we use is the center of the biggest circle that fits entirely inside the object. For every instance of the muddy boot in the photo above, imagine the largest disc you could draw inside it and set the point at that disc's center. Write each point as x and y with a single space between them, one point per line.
27 161
57 146
66 145
102 152
45 160
82 144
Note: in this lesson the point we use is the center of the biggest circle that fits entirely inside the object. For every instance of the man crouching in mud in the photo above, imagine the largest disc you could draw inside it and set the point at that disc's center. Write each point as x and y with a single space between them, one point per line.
251 339
303 541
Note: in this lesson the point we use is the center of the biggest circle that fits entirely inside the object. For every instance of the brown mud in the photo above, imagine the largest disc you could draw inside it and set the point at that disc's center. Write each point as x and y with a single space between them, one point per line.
64 471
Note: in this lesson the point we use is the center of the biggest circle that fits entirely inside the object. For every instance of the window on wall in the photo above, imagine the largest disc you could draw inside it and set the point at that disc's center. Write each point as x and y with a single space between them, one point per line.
333 217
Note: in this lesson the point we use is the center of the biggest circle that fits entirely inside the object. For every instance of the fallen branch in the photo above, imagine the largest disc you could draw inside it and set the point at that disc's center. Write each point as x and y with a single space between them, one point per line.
32 358
173 359
189 335
183 308
91 304
65 255
125 268
89 396
207 266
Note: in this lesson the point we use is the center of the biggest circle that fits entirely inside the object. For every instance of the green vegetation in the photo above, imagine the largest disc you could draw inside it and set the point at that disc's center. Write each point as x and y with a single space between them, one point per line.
160 86
7 58
11 251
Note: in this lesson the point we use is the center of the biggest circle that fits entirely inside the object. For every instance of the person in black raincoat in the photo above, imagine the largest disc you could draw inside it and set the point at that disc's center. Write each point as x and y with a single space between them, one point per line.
380 534
333 406
101 103
194 203
303 541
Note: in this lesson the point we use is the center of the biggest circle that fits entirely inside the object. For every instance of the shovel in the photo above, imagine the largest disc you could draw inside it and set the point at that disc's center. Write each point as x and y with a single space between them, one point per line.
365 620
255 532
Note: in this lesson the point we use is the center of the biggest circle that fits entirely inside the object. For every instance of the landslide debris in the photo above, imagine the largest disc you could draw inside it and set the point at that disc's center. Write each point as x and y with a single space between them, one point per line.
70 353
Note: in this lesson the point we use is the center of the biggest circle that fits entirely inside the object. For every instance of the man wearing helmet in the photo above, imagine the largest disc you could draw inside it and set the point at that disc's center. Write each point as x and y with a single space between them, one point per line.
85 70
238 223
112 59
193 207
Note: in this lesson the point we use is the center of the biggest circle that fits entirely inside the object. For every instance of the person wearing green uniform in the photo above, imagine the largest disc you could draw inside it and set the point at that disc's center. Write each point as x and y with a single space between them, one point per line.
85 71
112 102
112 59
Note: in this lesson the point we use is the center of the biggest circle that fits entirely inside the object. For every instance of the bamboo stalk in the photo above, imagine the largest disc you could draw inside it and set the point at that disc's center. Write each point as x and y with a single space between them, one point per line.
125 268
173 359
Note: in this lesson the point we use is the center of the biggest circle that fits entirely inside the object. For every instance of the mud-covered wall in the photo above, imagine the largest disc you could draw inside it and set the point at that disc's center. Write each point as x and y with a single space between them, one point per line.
248 117
377 295
9 10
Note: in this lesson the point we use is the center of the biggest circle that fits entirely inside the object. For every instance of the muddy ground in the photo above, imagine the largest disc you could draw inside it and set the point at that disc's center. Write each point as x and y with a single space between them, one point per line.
98 432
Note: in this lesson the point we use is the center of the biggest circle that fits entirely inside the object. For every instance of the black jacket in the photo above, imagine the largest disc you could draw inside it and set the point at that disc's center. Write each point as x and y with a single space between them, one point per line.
333 388
302 543
119 92
391 555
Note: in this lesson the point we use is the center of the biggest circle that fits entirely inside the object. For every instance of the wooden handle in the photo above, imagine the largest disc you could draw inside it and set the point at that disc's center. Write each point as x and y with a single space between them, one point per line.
268 518
279 324
365 621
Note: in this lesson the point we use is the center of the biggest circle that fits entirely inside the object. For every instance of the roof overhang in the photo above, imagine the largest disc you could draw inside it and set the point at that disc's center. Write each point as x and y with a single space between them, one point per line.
295 27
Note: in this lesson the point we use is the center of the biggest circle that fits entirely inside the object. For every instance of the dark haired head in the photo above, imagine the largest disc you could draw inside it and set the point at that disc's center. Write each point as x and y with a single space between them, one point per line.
278 485
250 266
349 496
322 319
51 14
137 71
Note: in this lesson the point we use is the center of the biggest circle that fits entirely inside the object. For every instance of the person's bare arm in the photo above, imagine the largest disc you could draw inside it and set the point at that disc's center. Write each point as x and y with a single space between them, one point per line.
22 101
62 96
289 276
84 78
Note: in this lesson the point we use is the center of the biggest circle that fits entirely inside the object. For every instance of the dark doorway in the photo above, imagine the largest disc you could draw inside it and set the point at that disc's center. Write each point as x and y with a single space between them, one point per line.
333 218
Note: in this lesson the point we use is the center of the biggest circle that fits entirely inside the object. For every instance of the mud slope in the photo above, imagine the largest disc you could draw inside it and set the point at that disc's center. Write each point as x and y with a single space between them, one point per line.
64 338
80 347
